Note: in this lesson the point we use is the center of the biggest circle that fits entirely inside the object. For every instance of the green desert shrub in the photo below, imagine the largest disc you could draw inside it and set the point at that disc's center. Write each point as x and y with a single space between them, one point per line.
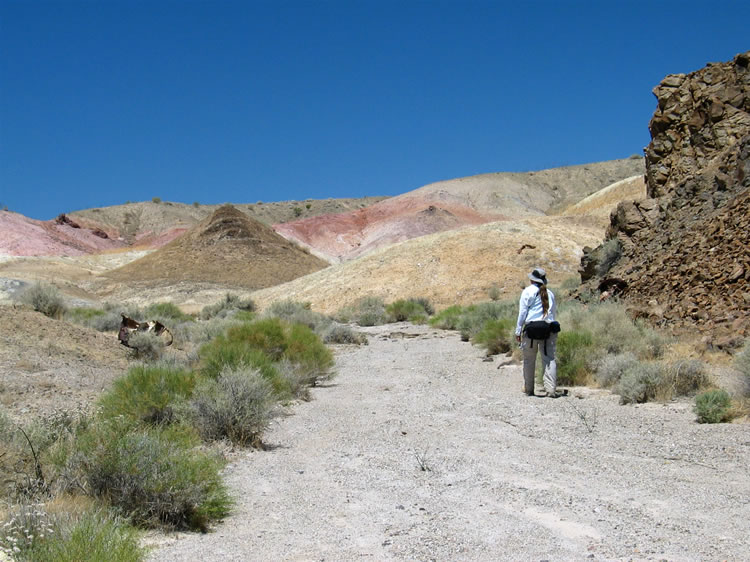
266 335
238 405
640 383
263 343
148 393
167 313
297 379
447 319
713 406
299 313
612 330
496 336
222 352
154 475
569 284
574 357
424 303
341 333
227 306
366 311
414 310
474 317
44 298
305 348
105 319
93 535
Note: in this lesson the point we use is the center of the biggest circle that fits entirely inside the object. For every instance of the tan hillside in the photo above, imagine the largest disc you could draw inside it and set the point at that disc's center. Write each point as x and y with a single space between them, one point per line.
454 267
603 202
227 248
456 203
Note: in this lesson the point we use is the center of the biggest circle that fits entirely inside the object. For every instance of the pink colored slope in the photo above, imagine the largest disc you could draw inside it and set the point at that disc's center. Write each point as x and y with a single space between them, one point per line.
22 236
346 236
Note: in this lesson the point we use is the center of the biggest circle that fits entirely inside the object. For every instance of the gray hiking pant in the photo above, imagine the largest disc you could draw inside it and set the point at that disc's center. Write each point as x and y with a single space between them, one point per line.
547 349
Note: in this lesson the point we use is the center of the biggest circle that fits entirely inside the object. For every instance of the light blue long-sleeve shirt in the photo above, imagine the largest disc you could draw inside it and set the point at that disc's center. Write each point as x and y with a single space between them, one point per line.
530 307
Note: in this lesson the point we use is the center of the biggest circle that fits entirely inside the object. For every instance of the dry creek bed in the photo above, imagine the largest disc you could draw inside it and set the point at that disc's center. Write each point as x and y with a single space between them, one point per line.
420 450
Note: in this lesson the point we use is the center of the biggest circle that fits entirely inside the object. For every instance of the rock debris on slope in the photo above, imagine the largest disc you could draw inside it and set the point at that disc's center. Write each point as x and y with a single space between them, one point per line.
686 249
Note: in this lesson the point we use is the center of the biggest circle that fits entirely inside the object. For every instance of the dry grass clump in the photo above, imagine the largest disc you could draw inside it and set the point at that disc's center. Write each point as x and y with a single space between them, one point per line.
154 475
46 299
299 313
742 364
229 305
414 310
32 532
146 346
238 405
366 311
343 334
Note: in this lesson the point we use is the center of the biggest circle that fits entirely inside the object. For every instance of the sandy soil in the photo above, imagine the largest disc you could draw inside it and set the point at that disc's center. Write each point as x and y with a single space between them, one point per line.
48 365
420 450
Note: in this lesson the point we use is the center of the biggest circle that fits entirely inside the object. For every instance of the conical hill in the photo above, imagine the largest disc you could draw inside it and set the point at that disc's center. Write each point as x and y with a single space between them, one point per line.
227 248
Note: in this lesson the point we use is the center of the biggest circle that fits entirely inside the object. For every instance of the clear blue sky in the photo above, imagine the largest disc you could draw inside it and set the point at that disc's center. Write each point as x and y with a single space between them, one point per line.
107 101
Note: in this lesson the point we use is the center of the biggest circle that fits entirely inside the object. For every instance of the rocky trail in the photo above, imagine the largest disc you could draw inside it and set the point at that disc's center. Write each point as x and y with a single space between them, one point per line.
420 450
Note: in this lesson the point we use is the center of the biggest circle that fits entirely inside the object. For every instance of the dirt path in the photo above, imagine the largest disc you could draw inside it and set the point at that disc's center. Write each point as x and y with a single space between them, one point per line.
419 450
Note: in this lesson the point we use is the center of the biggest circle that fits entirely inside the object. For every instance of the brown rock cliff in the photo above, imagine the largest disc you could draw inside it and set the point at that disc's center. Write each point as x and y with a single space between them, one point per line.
685 250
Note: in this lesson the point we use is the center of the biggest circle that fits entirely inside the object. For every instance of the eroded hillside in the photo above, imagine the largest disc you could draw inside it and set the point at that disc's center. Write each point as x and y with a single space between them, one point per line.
227 248
451 204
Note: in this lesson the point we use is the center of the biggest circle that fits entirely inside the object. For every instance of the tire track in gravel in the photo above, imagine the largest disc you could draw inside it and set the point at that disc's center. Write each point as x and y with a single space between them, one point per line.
419 450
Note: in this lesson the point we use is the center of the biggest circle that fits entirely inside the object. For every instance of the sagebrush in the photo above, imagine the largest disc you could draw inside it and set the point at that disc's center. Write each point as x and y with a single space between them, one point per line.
45 298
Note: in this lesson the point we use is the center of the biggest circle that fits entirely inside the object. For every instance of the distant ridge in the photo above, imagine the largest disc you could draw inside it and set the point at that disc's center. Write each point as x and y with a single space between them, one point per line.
450 204
227 248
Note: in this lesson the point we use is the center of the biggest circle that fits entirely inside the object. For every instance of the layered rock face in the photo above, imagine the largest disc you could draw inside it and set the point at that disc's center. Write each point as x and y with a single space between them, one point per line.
686 248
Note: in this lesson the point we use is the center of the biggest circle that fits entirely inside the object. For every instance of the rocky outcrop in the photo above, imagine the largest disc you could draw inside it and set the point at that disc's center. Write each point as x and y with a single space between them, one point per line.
686 248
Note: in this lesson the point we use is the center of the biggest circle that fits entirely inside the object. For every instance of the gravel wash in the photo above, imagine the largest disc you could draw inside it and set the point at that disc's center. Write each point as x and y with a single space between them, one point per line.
420 450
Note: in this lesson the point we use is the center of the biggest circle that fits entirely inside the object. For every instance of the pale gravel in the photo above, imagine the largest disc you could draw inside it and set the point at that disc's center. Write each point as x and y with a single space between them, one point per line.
507 477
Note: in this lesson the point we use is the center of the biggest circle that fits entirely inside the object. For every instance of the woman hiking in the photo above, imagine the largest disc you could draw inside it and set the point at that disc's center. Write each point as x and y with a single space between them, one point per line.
536 329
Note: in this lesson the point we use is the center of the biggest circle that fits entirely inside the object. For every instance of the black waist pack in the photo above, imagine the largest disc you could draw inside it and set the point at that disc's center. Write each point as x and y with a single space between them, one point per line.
540 330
